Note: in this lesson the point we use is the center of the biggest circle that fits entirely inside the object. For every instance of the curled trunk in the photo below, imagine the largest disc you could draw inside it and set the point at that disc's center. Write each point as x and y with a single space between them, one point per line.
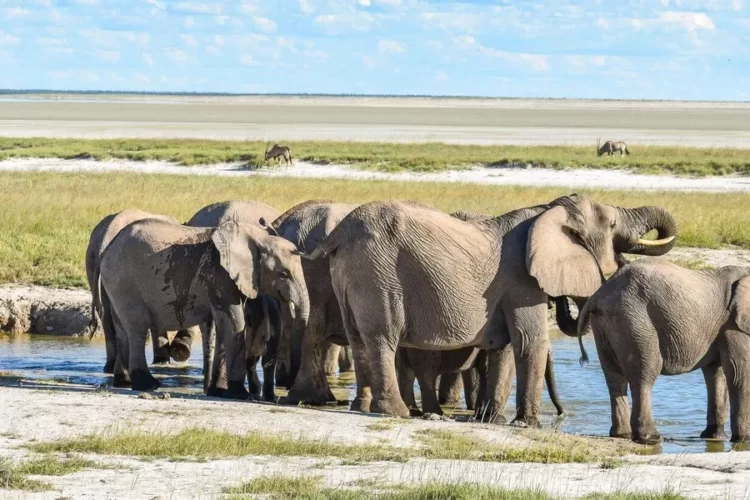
636 222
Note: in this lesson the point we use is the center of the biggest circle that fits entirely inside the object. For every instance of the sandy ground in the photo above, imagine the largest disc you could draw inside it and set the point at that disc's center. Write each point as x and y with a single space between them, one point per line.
511 176
466 121
43 414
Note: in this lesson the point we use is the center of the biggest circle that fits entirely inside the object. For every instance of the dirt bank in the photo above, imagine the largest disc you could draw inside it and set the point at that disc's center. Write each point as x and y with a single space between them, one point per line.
38 414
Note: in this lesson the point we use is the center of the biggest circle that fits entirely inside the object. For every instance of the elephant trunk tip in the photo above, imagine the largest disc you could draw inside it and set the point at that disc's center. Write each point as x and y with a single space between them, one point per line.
584 357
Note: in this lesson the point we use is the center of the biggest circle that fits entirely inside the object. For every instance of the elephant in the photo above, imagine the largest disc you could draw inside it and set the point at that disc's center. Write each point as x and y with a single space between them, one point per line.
406 274
654 317
337 359
160 276
103 233
306 225
264 310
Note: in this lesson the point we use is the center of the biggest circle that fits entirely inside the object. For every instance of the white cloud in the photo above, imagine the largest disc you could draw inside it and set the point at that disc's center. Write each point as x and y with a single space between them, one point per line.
737 4
369 61
212 50
87 2
461 21
189 22
602 23
156 3
111 56
316 54
390 3
305 7
44 3
189 40
142 39
248 7
148 59
390 47
690 21
8 39
142 78
333 24
198 7
88 76
52 42
581 62
537 62
435 44
17 12
264 24
247 60
219 40
177 55
364 3
441 76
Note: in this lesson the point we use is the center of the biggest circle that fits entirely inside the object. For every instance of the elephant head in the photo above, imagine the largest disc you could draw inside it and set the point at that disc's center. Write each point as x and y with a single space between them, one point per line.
259 262
575 245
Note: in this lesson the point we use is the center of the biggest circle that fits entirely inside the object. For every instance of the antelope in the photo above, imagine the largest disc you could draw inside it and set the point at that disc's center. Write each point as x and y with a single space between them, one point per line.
277 151
610 147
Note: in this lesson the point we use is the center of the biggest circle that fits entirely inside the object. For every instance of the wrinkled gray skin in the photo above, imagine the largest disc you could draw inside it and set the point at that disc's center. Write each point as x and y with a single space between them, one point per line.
407 274
464 367
104 232
262 312
160 276
306 226
653 318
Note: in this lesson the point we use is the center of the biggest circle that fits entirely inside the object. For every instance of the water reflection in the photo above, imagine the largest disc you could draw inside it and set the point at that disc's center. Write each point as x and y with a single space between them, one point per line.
679 403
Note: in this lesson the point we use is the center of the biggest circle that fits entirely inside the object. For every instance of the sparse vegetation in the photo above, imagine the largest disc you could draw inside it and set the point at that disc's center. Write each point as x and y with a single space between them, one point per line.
385 156
43 238
11 478
52 465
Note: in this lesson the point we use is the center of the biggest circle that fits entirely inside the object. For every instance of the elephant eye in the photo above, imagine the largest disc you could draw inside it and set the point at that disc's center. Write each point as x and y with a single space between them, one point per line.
612 226
285 275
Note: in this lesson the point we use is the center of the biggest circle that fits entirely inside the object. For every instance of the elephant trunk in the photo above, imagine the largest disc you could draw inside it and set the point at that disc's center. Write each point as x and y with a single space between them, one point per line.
300 316
636 222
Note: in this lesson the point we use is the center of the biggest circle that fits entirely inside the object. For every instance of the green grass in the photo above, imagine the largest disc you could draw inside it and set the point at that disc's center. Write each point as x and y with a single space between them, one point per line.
47 218
12 478
202 444
385 156
280 487
51 465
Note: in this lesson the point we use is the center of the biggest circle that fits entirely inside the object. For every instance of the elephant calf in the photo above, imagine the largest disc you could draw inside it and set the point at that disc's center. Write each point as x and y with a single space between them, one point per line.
653 317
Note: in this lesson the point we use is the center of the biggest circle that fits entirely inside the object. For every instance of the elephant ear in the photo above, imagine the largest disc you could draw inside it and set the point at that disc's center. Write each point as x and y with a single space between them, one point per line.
560 264
740 306
238 255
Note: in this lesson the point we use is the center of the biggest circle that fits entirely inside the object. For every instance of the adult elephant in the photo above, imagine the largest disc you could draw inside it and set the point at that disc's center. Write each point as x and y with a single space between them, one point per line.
306 225
654 317
407 274
160 276
104 232
264 310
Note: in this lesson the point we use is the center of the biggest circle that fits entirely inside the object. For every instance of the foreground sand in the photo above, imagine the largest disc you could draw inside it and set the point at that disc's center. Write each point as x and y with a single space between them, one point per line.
43 414
466 121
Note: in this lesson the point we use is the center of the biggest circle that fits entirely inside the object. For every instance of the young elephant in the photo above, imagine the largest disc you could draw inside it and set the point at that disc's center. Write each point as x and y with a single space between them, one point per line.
104 232
653 317
161 276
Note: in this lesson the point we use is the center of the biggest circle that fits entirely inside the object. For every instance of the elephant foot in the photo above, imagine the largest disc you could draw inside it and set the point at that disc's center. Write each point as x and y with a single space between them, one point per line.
388 407
361 404
647 437
236 390
179 352
144 381
311 398
620 432
488 415
740 438
215 392
282 376
526 422
714 432
109 366
449 402
121 380
159 360
415 412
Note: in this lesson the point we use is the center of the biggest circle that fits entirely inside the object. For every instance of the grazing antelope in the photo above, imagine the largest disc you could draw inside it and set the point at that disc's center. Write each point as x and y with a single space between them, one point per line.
277 151
610 147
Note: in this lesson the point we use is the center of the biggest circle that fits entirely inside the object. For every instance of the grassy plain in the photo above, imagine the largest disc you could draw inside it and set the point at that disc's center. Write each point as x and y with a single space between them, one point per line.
387 156
47 218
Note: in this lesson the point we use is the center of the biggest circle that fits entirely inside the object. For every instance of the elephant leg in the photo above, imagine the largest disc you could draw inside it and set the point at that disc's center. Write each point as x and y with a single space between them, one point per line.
331 366
363 401
182 344
310 384
230 327
428 389
450 388
137 331
253 381
110 338
617 385
346 363
121 372
716 415
642 373
498 385
406 378
214 362
270 356
386 397
471 387
736 366
283 356
160 345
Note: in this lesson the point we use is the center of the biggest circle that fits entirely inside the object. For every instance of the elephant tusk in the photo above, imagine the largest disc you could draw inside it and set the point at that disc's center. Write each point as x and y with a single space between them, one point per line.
655 243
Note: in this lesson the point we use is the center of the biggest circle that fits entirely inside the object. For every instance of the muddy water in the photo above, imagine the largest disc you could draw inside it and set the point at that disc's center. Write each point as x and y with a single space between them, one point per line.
678 402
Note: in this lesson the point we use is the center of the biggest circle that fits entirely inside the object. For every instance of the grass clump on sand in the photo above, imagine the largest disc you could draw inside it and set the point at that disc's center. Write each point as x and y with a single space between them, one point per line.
51 465
280 487
43 238
385 156
12 478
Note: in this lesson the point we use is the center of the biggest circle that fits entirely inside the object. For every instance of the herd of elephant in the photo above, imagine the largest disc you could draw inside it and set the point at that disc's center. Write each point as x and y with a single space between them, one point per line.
416 293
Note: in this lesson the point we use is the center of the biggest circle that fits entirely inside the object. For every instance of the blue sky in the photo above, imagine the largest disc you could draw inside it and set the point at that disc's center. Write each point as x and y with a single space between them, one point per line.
660 49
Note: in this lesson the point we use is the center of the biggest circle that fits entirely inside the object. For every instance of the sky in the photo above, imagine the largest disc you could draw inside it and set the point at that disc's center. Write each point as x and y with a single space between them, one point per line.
629 49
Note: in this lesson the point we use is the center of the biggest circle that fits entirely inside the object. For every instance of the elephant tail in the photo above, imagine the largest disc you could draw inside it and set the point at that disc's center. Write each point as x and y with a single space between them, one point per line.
329 244
96 305
549 377
583 323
